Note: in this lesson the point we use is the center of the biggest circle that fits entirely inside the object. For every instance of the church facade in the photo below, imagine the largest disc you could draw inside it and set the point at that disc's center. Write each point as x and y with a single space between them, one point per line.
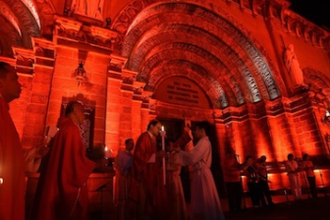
258 72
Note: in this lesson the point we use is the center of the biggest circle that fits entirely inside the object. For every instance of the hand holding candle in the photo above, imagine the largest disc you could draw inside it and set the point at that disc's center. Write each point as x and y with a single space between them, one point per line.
107 152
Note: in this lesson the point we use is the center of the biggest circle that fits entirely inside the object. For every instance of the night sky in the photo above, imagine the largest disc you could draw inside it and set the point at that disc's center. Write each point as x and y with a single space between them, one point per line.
316 11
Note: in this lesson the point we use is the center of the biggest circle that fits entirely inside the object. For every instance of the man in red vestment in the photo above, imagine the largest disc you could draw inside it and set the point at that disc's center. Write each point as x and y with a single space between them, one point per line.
12 185
145 166
62 192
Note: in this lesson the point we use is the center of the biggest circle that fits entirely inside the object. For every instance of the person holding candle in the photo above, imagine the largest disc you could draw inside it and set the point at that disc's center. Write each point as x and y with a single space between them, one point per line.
62 188
168 196
205 203
12 167
174 189
146 163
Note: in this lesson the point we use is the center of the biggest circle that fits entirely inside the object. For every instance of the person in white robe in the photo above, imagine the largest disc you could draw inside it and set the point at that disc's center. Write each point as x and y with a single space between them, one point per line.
294 177
205 202
122 165
176 200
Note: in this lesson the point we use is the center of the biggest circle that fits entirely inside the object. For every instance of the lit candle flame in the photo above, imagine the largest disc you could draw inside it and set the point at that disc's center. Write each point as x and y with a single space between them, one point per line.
106 148
163 128
1 181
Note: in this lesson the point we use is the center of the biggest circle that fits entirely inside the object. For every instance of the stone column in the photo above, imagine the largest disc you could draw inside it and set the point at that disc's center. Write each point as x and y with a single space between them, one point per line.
38 66
113 106
127 89
136 110
259 130
306 134
145 110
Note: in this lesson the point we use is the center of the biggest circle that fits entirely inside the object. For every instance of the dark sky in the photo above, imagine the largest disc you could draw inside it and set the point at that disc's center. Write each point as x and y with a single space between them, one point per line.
316 11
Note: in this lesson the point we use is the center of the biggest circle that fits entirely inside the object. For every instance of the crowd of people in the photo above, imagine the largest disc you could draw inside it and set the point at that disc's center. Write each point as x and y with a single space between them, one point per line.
302 170
156 201
256 173
145 186
159 199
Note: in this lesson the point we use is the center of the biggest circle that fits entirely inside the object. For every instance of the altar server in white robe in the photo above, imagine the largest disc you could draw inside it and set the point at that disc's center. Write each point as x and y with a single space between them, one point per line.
205 203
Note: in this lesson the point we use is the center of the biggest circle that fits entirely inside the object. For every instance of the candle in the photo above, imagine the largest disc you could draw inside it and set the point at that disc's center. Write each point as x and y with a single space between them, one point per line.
1 181
106 152
163 133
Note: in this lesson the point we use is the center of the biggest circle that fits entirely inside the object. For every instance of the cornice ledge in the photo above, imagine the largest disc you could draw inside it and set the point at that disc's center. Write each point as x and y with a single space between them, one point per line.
69 31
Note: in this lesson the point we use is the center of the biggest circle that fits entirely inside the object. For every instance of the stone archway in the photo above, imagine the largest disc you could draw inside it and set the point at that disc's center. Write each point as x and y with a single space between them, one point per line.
317 80
159 33
21 21
319 94
200 42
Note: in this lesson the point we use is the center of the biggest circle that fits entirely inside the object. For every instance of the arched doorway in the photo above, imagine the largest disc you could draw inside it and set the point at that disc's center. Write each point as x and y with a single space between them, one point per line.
187 95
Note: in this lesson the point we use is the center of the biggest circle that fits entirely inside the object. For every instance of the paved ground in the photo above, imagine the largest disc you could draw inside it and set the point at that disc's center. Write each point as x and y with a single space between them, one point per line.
307 209
285 208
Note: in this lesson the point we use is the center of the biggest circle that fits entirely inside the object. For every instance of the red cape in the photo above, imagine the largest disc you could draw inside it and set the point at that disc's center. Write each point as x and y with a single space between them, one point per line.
144 148
144 173
12 169
66 171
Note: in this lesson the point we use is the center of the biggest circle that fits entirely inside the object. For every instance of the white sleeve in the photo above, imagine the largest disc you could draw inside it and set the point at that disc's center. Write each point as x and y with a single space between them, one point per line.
197 154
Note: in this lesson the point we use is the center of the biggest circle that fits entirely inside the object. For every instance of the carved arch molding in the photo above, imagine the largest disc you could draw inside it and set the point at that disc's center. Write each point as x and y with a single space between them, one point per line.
200 41
21 20
319 84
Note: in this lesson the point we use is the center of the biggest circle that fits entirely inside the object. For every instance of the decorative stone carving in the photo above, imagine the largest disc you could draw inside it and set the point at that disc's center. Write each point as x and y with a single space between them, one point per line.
128 79
274 107
46 13
115 67
303 28
84 37
9 16
117 63
75 31
138 91
90 8
293 66
24 60
28 24
44 52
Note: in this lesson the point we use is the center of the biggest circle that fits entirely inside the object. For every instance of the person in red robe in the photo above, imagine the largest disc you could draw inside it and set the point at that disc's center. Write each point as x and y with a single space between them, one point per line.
12 184
62 192
146 162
